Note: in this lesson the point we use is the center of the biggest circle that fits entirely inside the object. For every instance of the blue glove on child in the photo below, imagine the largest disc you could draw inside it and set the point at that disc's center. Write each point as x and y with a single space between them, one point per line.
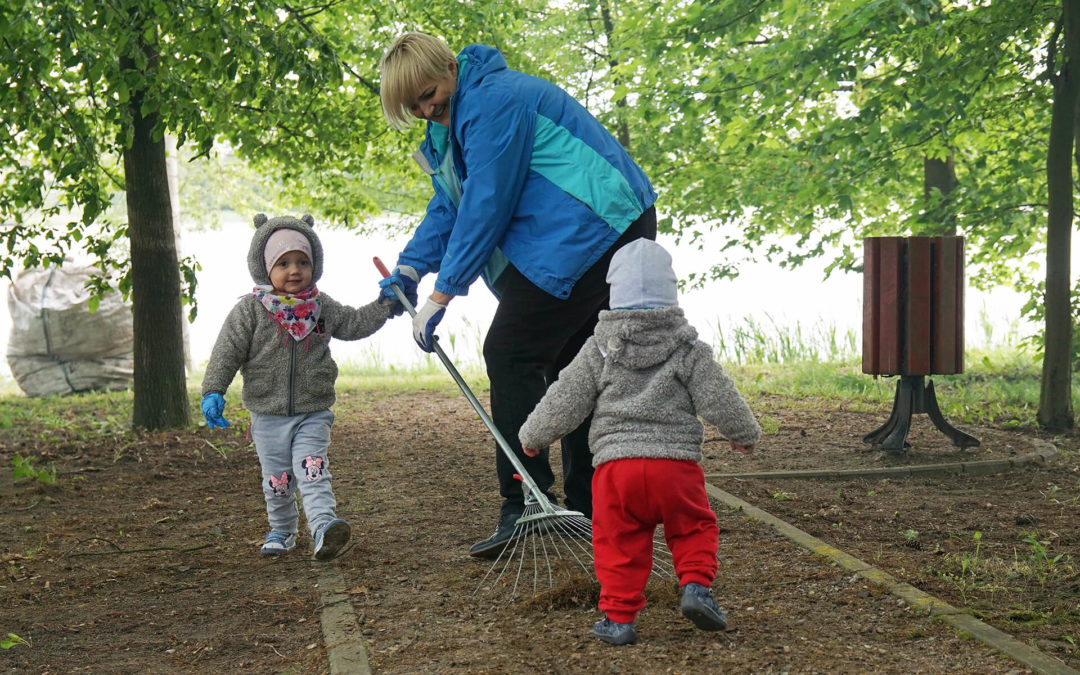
405 278
424 322
213 405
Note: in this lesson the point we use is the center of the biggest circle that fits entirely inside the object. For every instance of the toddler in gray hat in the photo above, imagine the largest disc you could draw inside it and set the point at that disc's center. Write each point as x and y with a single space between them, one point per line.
278 338
646 379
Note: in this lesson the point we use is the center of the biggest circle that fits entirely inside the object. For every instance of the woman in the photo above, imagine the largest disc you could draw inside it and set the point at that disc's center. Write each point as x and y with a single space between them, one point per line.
532 194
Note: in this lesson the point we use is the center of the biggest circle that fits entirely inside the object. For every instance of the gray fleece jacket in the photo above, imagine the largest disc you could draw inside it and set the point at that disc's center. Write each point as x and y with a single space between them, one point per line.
284 376
646 379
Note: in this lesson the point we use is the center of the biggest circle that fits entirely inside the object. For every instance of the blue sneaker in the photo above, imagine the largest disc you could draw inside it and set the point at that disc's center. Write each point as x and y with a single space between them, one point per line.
330 538
698 606
278 542
614 632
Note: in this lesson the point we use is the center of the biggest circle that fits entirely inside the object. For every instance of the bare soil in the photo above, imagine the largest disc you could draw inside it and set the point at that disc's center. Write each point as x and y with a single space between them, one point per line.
143 557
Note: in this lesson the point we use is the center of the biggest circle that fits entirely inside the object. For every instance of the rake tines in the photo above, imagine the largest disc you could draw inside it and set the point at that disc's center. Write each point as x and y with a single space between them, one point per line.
547 541
550 546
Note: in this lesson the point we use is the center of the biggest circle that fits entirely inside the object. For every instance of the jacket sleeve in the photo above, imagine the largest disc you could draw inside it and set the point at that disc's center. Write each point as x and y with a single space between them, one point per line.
567 402
496 134
426 248
353 323
717 401
230 350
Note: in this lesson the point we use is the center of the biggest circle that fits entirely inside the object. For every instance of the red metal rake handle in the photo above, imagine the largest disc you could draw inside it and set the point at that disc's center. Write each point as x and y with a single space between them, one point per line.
397 290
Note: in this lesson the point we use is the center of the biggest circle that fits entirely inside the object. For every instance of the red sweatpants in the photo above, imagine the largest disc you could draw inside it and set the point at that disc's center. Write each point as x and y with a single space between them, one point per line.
630 498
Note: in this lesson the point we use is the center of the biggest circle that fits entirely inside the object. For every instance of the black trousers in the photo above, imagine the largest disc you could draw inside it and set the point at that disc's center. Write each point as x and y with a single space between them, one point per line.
532 337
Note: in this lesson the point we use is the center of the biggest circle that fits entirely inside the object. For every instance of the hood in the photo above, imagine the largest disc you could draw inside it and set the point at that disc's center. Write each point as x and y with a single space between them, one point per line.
475 62
642 338
265 227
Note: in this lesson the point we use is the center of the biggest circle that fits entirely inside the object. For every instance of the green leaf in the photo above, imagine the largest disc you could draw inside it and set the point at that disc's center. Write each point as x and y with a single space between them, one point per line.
70 169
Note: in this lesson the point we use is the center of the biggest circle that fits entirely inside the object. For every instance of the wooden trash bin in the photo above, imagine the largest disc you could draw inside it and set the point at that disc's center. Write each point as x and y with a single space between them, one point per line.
913 327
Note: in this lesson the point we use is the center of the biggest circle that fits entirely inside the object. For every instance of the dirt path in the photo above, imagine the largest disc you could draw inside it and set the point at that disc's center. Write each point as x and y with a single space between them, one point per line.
143 557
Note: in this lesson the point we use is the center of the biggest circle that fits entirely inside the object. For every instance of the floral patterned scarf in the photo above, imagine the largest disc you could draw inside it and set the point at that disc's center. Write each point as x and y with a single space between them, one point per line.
296 313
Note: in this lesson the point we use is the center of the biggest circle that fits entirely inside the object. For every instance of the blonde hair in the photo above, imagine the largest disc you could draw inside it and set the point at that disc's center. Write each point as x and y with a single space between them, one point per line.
411 61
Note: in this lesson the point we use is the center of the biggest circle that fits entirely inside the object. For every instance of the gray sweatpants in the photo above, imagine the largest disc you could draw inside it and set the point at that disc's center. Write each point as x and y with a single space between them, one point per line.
292 452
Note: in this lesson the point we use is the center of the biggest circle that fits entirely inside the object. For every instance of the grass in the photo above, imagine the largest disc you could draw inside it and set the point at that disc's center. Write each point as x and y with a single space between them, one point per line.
756 342
1032 563
1000 385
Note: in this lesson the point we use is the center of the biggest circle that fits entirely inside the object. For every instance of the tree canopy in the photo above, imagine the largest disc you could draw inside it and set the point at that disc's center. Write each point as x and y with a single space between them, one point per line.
806 124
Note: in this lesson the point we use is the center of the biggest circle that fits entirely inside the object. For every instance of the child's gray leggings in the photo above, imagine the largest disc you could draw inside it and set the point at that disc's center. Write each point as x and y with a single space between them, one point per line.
292 452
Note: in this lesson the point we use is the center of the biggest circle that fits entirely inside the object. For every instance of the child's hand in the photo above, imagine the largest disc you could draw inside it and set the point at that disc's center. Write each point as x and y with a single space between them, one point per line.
213 407
530 452
744 449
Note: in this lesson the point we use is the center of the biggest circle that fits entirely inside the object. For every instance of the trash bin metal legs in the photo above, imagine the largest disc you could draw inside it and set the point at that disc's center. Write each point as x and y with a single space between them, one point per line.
913 396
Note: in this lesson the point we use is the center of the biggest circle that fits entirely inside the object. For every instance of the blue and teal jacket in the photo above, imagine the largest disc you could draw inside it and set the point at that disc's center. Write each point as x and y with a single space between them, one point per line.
524 175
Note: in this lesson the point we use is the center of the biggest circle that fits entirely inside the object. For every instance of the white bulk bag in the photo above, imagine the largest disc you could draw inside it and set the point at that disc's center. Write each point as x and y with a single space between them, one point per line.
56 345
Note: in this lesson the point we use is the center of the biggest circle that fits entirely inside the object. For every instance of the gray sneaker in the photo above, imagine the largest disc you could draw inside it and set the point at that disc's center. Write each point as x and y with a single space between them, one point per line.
330 538
278 542
698 606
614 632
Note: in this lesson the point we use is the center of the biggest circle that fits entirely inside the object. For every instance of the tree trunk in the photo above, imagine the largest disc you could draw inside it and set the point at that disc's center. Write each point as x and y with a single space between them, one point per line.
160 381
940 174
622 131
1055 399
172 167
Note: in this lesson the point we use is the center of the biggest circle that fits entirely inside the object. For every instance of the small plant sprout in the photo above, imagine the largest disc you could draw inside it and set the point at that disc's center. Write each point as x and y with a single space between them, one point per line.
23 467
967 571
221 451
769 425
969 561
1053 490
13 640
1041 563
910 534
782 495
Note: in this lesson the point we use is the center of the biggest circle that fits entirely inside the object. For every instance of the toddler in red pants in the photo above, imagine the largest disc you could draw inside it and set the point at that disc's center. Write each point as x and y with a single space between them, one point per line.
646 379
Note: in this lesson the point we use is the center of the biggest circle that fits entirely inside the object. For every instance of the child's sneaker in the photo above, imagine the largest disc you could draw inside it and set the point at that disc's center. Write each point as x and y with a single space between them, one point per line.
698 606
614 632
330 538
278 542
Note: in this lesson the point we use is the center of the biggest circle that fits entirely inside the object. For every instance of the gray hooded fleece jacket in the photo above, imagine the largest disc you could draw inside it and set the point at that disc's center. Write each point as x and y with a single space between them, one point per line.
647 379
284 376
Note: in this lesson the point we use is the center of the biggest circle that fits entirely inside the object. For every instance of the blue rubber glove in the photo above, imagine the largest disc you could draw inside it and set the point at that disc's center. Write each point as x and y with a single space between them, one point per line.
405 278
424 322
213 405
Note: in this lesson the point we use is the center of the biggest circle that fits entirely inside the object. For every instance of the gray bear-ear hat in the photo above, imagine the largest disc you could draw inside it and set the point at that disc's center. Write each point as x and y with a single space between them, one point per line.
264 227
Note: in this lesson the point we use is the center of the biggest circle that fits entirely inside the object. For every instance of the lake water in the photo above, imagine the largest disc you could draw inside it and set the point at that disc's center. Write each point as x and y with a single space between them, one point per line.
771 297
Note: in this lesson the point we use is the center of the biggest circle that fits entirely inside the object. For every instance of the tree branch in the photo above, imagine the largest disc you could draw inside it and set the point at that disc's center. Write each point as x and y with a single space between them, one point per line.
301 16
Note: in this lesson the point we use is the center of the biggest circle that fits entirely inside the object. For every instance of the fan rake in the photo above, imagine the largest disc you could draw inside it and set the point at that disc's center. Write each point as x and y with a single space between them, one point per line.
548 543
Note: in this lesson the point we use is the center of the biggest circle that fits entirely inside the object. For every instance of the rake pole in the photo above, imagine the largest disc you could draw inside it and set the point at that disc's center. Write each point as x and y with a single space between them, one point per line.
526 479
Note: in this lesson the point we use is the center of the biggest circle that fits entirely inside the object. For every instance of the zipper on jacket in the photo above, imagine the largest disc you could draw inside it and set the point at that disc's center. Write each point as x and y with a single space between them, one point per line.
292 364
